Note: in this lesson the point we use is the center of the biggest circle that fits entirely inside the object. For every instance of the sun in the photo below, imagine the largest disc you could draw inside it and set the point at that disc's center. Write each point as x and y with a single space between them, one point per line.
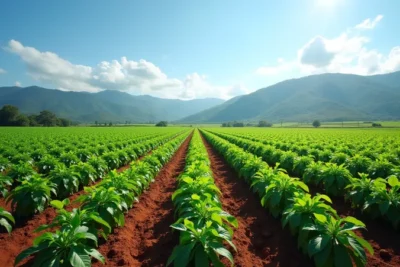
326 3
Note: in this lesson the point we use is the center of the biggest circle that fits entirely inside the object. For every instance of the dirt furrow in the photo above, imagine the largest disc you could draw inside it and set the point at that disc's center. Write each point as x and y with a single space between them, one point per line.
260 239
146 238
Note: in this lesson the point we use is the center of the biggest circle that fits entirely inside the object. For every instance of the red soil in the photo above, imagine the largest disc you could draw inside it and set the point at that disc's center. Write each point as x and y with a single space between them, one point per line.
22 235
380 234
146 238
260 239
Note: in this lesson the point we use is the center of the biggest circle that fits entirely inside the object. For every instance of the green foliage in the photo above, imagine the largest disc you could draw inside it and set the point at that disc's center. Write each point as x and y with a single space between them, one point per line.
71 246
162 124
316 123
5 184
66 179
20 172
334 243
334 178
33 195
5 219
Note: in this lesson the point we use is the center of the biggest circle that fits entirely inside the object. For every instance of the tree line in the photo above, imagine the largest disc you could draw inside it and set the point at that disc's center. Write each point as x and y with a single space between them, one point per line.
241 124
10 116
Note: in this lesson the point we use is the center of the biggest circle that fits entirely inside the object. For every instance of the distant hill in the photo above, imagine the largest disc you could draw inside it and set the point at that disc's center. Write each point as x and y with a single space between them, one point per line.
103 106
327 97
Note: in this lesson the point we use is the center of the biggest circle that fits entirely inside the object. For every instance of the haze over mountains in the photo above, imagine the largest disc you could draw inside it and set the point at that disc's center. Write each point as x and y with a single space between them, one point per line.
328 97
104 106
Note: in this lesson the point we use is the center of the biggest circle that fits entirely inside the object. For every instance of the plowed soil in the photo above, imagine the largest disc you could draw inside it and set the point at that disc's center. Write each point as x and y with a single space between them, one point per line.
260 239
146 238
22 235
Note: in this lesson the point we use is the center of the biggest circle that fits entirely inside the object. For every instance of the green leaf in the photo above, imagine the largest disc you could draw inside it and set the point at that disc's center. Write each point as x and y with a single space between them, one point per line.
78 257
320 218
5 223
318 244
342 257
179 226
392 181
224 252
200 257
29 251
195 197
384 207
353 220
95 254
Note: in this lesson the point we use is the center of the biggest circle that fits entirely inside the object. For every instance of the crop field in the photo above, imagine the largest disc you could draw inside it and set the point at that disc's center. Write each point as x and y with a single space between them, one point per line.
180 196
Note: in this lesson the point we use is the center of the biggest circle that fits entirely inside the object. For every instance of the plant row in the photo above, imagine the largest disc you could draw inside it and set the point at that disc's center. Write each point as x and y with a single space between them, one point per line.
378 197
43 161
102 209
35 192
328 239
203 224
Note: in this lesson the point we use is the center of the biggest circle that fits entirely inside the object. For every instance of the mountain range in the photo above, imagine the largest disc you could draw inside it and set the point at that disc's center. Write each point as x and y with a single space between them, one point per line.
327 97
103 106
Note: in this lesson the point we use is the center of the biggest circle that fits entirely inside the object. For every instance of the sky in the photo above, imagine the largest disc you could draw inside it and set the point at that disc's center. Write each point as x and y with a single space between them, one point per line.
192 49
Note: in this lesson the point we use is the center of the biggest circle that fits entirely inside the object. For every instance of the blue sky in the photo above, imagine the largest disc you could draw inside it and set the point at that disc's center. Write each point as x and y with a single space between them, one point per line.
192 49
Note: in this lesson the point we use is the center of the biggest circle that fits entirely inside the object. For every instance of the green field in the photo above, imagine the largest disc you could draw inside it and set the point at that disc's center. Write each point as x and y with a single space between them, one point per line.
322 185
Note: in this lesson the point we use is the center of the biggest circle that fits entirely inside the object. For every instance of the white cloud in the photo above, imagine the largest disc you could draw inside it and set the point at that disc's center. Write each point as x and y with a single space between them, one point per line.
197 86
368 23
18 84
316 53
137 77
2 71
346 53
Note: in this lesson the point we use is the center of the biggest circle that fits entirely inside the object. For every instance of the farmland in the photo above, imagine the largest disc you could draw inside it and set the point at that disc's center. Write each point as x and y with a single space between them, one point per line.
152 196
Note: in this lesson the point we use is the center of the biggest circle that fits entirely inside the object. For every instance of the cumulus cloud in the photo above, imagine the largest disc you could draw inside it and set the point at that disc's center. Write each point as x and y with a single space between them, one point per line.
197 86
137 77
368 23
18 84
346 53
315 53
2 71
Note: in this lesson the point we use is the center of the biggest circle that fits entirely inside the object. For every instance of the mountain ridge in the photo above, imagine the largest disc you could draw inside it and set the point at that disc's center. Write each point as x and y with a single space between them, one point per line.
103 106
328 96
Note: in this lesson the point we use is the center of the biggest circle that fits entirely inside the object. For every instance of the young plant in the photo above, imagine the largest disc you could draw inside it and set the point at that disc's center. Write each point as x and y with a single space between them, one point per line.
33 195
65 219
334 178
200 246
86 173
360 189
5 184
358 164
66 179
280 192
99 165
333 243
386 203
47 164
19 172
107 203
70 246
69 159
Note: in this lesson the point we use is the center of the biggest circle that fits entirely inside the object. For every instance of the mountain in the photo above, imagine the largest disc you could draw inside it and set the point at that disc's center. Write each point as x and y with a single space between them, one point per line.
327 97
103 106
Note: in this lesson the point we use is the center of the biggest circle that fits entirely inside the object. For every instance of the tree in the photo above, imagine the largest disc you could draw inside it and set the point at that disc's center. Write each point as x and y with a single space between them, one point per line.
22 120
316 123
8 115
33 120
110 124
162 124
96 123
64 122
264 124
47 118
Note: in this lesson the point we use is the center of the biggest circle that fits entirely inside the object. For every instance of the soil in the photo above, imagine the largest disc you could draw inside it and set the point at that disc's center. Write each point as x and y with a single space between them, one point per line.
260 239
147 238
22 235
